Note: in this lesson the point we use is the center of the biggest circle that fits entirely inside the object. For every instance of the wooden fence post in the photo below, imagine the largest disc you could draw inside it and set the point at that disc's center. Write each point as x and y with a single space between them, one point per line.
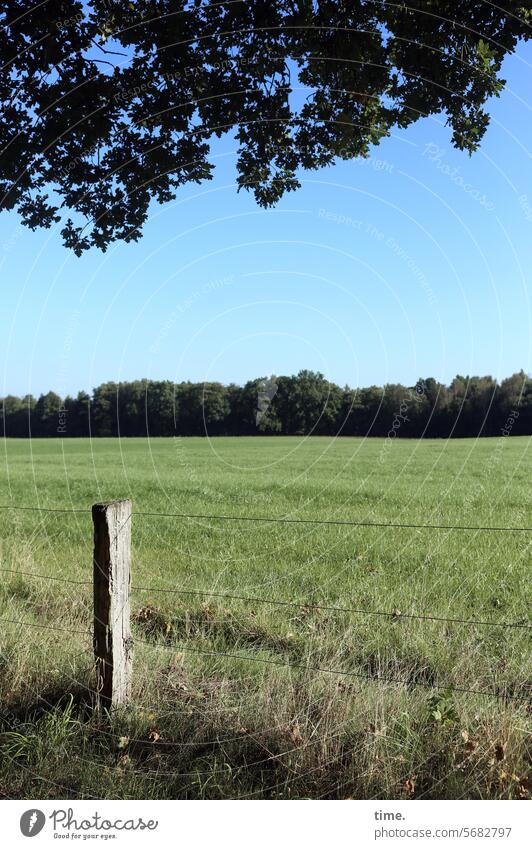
112 582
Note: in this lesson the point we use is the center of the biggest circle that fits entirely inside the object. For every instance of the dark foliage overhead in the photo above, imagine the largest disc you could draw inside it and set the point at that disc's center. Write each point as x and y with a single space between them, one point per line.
108 105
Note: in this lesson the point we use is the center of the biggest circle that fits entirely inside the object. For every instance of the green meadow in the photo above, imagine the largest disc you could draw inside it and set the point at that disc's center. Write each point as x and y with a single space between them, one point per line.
339 692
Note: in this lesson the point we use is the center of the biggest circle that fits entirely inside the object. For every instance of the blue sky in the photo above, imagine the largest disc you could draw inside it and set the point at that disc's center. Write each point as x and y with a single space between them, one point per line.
414 263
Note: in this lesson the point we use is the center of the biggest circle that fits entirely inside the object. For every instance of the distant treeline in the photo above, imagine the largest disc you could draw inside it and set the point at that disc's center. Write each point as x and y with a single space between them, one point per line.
305 403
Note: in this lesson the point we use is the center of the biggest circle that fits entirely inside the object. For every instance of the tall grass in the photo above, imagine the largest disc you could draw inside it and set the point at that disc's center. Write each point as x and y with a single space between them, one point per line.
230 697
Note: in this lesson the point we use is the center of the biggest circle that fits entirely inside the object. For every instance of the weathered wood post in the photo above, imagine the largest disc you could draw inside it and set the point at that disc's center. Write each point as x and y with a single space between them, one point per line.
112 582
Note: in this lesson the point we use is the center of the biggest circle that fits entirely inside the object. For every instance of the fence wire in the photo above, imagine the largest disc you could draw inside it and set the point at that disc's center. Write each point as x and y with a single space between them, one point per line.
285 520
404 682
394 615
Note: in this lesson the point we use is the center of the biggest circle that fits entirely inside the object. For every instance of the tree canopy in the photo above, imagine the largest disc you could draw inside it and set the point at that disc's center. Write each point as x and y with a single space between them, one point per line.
109 105
302 404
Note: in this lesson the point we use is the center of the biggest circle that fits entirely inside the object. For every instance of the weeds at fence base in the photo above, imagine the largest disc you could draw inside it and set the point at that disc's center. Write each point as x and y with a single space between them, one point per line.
202 730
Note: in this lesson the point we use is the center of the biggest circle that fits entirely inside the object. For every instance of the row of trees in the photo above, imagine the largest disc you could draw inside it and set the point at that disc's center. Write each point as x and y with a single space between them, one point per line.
305 403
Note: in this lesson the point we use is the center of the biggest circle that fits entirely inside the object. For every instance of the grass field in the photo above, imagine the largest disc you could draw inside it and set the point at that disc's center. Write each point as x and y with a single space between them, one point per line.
261 725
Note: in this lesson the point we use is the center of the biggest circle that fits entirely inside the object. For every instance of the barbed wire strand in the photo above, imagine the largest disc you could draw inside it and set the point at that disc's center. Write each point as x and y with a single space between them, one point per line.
45 509
290 664
45 627
394 615
347 522
284 520
326 670
46 577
